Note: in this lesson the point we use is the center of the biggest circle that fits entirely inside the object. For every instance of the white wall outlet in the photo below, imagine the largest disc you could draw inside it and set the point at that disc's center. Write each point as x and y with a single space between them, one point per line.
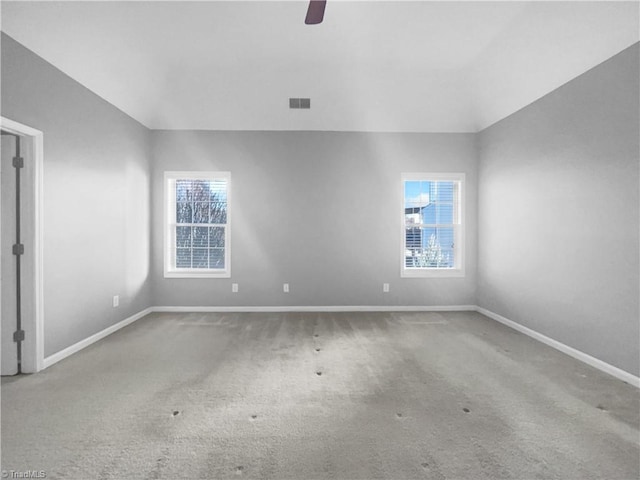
116 301
385 287
285 287
234 287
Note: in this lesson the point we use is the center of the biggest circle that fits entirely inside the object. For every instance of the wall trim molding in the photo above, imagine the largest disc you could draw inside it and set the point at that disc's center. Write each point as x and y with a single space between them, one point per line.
319 308
76 347
566 349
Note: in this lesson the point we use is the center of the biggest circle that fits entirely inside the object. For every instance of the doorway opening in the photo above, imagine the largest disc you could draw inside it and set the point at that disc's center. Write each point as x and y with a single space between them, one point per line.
21 299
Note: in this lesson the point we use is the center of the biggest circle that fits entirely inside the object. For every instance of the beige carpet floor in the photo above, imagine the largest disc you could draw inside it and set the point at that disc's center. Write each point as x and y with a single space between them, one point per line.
320 396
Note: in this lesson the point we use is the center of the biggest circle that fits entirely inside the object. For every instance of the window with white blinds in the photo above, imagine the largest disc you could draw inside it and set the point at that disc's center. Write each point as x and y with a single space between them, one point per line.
432 225
197 224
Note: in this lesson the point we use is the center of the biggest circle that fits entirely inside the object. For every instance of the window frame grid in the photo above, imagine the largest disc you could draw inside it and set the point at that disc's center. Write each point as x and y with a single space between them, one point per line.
170 227
458 270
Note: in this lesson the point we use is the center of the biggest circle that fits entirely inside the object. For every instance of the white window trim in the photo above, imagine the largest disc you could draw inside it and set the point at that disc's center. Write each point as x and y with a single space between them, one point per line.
170 221
459 249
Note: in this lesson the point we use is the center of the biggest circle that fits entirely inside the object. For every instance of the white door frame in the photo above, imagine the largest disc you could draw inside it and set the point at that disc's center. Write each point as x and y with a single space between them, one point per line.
33 352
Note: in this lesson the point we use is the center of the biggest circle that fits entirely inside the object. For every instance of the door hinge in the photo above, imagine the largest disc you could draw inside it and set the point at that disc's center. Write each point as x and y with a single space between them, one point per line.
18 162
18 249
18 336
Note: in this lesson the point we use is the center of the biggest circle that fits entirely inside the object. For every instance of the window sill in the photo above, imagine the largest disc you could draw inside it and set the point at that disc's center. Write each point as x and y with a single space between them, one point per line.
433 273
225 274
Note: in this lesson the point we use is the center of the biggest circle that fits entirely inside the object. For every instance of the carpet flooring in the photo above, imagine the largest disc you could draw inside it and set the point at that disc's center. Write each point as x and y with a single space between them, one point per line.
450 395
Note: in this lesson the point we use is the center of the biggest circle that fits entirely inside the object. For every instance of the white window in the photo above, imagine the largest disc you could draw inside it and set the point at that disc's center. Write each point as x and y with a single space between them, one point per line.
432 225
197 224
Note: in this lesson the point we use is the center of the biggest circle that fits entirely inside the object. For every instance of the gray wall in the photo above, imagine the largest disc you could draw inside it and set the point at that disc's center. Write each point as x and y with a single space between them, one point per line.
556 244
319 210
96 198
558 214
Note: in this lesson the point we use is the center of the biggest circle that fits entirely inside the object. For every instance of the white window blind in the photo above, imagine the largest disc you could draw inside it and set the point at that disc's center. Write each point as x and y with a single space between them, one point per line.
197 224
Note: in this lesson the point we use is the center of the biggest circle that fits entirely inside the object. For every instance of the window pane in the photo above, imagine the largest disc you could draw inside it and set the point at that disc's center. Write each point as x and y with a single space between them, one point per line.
183 258
183 212
425 190
445 237
441 191
183 191
200 189
183 237
429 247
413 238
218 212
200 194
436 254
200 237
216 257
412 215
216 237
201 212
200 258
443 213
411 189
218 191
414 195
429 214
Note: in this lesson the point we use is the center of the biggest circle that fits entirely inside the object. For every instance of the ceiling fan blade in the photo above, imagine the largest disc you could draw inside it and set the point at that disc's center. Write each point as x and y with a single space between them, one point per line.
315 12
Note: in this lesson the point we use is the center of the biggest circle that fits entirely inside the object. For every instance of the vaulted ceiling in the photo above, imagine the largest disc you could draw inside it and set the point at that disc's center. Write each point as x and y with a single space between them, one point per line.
412 66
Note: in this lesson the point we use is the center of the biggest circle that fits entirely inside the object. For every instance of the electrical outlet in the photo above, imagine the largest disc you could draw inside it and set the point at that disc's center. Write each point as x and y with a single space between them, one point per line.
116 301
385 287
234 287
285 287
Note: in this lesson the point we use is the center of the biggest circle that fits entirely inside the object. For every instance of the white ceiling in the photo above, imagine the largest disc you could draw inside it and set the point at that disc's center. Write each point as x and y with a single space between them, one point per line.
370 66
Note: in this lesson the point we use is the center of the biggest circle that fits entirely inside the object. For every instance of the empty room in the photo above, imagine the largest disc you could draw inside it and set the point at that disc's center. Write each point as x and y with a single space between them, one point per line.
320 239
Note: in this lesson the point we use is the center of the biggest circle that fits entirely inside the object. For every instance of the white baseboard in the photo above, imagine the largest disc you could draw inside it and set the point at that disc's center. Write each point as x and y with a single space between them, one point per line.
335 308
62 354
577 354
76 347
572 352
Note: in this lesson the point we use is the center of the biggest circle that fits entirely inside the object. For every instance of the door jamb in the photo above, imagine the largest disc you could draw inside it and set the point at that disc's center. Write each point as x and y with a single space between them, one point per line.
33 352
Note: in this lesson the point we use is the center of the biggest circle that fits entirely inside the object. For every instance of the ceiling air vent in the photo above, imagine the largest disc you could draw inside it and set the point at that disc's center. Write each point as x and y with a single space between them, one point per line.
300 103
